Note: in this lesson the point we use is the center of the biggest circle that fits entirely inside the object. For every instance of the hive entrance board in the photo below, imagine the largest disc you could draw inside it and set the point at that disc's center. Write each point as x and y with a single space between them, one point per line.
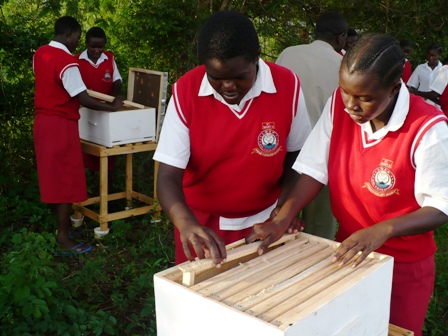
282 291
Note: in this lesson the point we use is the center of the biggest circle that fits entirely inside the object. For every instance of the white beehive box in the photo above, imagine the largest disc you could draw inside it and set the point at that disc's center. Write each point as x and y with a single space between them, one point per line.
295 289
117 128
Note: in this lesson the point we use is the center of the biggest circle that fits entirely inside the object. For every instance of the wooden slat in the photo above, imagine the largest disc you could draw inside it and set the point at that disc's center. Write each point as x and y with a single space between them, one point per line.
110 99
268 277
397 331
307 289
251 265
191 269
299 311
282 290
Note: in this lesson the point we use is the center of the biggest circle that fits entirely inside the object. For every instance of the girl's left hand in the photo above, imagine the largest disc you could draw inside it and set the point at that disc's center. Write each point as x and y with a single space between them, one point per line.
359 245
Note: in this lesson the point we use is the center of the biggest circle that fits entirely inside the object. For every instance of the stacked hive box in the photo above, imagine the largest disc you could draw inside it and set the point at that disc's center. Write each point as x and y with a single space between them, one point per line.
295 289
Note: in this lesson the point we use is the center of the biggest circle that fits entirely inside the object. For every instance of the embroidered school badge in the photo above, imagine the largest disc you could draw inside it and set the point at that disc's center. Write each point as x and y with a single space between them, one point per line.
268 140
382 181
107 76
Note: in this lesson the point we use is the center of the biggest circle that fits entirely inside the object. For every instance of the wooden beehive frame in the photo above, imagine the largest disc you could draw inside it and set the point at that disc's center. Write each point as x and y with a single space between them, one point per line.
280 287
149 87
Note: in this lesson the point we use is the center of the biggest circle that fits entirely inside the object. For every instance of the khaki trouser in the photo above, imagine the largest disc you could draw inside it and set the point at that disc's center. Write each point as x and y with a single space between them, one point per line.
319 219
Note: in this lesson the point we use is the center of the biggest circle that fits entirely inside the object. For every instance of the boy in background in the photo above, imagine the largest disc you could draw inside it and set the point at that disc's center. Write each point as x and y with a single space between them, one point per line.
423 76
59 91
99 73
406 46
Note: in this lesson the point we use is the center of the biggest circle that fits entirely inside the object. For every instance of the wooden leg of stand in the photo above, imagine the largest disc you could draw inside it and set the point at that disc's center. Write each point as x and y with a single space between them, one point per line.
103 192
129 179
156 171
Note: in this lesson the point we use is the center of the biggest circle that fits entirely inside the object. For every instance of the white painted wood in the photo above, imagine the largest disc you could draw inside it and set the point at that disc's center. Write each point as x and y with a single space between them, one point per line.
117 128
270 296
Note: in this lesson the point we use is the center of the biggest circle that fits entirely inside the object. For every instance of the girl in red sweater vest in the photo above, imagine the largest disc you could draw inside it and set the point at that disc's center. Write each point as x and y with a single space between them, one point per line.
384 154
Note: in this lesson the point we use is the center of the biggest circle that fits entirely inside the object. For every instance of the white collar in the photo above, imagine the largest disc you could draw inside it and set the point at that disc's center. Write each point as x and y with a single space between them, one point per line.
263 82
396 120
59 45
439 64
100 60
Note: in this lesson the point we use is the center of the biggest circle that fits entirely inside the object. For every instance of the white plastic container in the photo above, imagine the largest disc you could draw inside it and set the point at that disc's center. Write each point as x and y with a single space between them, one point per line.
76 222
99 233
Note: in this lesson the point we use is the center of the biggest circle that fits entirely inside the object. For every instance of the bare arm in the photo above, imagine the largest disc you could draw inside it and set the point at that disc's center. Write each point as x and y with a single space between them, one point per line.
89 102
204 241
305 189
116 88
289 177
369 239
431 95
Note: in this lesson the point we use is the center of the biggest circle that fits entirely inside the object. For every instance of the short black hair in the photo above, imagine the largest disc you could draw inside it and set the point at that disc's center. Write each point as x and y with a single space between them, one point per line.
379 54
66 24
351 32
95 32
226 35
435 46
330 24
405 44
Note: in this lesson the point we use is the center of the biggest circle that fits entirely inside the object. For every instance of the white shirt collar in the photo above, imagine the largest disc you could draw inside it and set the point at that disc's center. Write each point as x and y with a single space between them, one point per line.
263 82
59 45
397 118
100 60
439 64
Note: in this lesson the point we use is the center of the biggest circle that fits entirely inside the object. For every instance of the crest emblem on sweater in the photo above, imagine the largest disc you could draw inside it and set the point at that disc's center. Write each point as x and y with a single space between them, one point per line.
382 181
107 76
268 140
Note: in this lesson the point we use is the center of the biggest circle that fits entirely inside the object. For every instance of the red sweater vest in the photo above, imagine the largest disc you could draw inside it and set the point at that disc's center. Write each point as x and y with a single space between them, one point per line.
373 182
98 78
407 71
235 164
50 96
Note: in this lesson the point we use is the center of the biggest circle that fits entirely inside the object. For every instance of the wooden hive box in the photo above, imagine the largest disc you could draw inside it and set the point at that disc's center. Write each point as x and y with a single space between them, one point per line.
295 289
109 129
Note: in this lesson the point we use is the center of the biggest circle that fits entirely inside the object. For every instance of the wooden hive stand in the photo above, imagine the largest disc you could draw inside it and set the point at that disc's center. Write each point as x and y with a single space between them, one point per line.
148 88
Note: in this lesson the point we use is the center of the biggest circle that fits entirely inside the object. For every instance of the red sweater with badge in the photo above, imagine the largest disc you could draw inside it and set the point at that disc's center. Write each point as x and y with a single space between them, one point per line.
98 77
51 98
236 161
372 181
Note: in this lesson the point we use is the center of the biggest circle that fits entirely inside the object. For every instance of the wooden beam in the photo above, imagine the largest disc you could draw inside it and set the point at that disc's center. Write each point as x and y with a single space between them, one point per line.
189 270
110 99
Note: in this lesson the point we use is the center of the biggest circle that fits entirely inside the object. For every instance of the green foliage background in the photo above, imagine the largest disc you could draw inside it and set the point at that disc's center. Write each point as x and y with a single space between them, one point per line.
63 297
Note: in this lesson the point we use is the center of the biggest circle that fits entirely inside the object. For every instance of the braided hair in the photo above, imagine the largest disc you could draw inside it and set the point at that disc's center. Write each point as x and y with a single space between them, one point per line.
378 54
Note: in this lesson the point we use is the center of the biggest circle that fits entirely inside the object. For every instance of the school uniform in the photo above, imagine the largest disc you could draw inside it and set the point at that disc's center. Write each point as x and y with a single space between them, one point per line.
422 77
56 137
375 176
439 85
100 77
407 71
233 154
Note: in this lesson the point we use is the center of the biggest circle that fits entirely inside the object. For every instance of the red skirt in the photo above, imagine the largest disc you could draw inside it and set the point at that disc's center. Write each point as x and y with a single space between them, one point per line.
60 167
